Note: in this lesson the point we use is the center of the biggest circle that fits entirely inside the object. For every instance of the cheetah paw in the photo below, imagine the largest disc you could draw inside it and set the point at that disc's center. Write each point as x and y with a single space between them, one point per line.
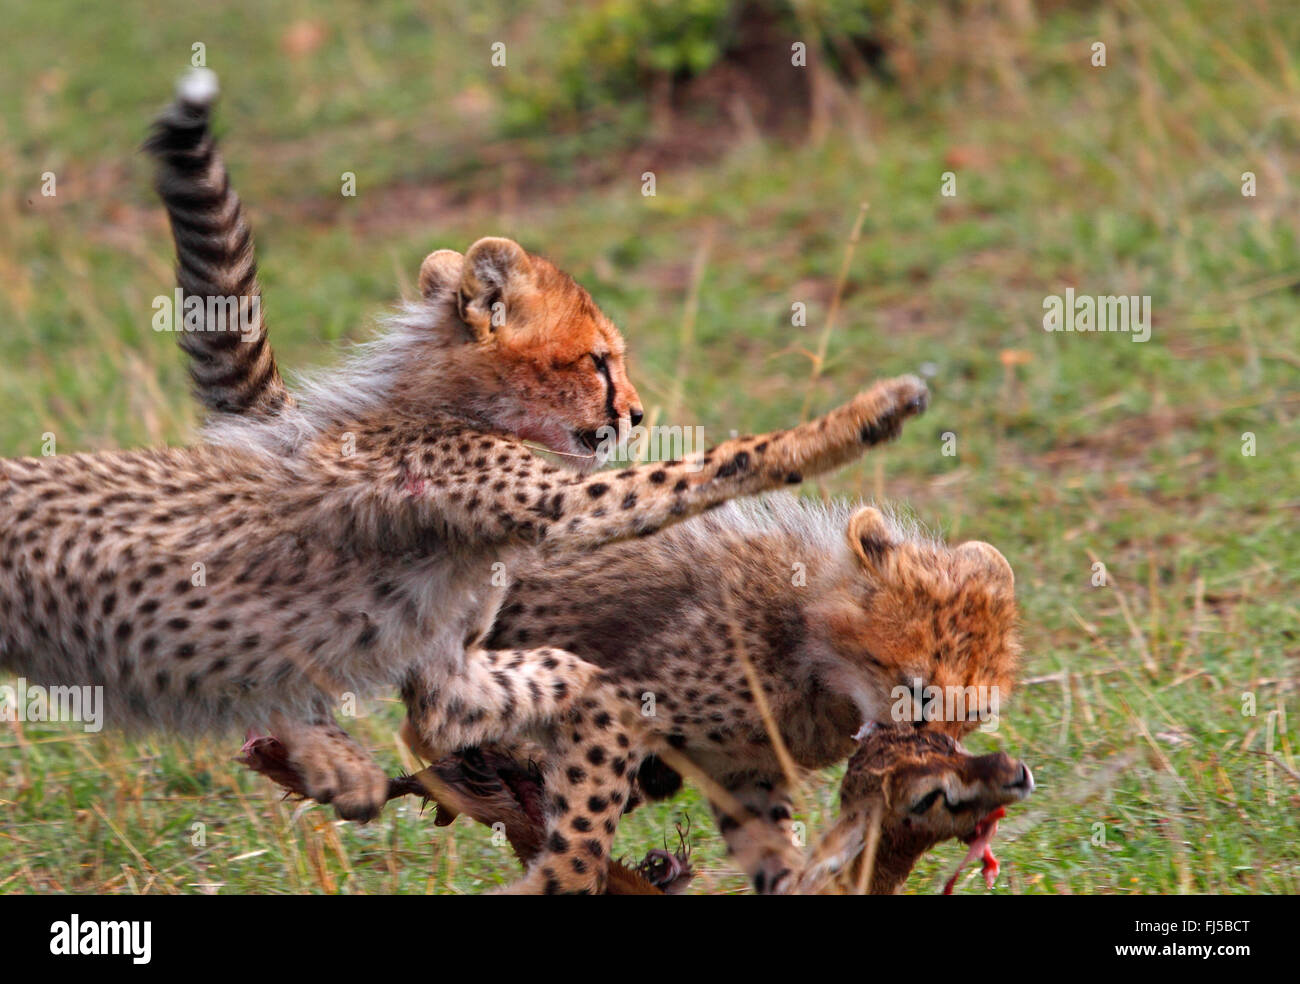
324 765
905 396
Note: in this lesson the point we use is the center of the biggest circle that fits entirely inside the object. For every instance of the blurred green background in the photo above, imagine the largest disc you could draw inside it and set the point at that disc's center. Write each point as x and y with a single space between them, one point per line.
1122 178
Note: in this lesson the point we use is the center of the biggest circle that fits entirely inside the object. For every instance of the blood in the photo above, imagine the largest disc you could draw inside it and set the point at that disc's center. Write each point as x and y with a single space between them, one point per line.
980 847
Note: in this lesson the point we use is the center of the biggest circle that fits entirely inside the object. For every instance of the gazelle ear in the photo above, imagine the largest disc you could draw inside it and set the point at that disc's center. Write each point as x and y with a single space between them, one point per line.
439 272
991 558
493 269
871 537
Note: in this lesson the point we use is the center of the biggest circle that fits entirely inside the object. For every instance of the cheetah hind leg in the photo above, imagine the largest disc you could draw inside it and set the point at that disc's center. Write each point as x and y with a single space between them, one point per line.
498 694
588 778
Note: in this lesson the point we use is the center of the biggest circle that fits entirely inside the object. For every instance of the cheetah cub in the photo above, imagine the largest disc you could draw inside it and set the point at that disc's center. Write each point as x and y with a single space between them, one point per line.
347 542
831 616
581 600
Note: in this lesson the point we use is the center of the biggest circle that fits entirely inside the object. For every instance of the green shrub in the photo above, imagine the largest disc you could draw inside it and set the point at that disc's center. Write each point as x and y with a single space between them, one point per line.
615 52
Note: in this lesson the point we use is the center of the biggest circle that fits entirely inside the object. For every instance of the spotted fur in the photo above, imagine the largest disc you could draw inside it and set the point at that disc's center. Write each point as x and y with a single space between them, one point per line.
346 542
656 615
831 607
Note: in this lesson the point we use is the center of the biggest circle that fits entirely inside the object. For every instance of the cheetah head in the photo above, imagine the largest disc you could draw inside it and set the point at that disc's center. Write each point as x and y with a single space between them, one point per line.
534 356
932 626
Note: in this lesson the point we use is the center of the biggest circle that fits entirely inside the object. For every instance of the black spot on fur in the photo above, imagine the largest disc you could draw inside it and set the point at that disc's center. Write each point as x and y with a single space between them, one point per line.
656 779
367 636
880 430
737 464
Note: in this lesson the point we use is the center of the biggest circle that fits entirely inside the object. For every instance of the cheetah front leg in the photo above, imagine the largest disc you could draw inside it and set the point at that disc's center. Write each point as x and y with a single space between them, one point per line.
762 841
587 776
539 505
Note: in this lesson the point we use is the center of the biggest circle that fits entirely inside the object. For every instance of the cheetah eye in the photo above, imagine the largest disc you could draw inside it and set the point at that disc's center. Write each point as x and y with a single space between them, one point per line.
602 367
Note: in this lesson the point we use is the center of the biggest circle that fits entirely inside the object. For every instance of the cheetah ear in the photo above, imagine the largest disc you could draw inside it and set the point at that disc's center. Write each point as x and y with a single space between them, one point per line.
440 272
493 269
989 557
871 537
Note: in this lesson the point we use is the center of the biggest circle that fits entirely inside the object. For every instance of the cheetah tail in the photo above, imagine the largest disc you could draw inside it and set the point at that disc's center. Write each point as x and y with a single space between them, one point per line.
219 324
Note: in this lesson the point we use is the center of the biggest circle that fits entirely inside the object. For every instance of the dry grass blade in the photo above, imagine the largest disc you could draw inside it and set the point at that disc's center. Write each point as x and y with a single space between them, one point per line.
789 768
686 336
823 343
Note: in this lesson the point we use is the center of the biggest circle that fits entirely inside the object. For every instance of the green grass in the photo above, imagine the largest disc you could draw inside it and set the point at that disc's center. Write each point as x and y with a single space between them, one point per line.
1071 448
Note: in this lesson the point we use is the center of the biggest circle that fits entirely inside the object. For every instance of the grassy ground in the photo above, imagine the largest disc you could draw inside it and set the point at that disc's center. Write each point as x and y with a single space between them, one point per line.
1070 449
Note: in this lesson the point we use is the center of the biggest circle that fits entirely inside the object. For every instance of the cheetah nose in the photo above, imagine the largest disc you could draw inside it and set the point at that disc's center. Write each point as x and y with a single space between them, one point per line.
637 416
